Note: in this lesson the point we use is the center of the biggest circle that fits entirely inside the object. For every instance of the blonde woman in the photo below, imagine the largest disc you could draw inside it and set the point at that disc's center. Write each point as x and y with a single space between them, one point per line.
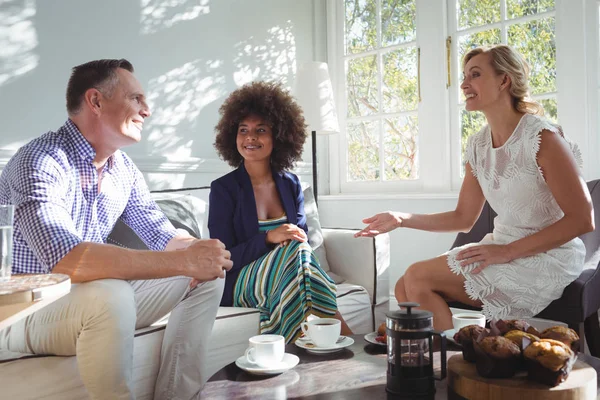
528 171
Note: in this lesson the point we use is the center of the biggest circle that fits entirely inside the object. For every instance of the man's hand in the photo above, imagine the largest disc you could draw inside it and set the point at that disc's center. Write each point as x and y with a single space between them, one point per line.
285 233
380 223
207 260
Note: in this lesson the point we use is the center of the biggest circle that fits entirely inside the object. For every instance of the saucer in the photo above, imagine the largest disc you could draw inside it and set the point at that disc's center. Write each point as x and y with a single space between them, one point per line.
289 361
309 346
370 337
450 336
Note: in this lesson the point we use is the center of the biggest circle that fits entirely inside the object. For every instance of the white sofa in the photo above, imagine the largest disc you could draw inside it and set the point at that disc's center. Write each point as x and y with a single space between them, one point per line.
359 266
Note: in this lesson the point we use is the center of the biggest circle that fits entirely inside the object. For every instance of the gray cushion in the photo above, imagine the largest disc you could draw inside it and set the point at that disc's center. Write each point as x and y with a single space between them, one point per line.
177 212
180 214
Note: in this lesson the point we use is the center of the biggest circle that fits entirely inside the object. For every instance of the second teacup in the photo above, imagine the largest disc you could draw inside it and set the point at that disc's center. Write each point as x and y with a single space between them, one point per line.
265 350
463 319
323 332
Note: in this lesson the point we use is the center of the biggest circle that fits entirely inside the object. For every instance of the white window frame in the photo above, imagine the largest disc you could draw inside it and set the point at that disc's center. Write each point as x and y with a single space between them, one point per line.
432 152
577 87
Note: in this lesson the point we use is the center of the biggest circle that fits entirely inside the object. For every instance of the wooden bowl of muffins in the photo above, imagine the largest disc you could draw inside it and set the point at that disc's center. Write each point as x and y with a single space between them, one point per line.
510 359
510 346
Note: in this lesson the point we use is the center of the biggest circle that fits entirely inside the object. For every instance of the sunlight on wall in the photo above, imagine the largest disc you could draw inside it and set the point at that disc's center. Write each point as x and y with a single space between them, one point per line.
176 99
157 15
160 181
18 39
273 58
14 146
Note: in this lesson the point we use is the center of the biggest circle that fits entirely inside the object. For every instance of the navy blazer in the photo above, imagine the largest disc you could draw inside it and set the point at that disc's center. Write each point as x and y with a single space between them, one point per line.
232 218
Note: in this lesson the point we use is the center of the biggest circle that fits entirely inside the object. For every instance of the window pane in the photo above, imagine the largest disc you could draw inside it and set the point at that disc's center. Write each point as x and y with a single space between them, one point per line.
398 21
521 8
361 86
470 123
535 40
400 148
469 42
361 25
550 109
472 13
400 80
363 151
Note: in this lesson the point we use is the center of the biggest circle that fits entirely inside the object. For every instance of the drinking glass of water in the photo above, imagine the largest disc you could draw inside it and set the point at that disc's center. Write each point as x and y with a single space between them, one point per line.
6 229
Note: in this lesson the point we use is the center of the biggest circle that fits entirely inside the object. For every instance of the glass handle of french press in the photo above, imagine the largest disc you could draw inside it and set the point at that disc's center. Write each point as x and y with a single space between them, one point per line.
442 336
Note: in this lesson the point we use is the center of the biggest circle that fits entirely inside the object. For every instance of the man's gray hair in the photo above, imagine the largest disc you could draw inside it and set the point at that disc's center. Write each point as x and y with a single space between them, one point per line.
99 74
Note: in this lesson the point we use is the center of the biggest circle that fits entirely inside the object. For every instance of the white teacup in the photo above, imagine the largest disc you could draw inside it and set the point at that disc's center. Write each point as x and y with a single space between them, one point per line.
323 332
464 319
265 350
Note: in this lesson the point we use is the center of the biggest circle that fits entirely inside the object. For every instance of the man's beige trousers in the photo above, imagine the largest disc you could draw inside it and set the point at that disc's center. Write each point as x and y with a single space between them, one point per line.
97 320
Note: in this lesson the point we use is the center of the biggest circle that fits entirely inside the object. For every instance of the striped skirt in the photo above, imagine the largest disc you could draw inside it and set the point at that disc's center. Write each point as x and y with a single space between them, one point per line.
286 285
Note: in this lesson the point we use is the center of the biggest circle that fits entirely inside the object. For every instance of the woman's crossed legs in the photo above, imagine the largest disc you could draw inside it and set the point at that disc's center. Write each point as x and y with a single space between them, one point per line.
431 284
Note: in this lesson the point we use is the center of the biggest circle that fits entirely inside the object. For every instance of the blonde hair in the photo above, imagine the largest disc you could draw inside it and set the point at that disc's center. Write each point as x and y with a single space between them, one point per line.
506 60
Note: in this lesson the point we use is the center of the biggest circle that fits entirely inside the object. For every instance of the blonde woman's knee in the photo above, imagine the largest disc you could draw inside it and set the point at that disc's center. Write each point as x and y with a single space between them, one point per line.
412 273
415 279
400 291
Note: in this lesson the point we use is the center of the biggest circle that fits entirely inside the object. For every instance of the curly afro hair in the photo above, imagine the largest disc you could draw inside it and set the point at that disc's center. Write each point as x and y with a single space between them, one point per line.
271 102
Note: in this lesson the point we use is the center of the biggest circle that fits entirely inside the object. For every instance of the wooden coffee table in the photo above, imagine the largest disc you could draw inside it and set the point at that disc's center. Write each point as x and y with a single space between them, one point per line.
357 372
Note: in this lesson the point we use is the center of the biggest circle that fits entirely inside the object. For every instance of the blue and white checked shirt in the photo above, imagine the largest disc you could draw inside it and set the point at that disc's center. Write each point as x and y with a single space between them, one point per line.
54 187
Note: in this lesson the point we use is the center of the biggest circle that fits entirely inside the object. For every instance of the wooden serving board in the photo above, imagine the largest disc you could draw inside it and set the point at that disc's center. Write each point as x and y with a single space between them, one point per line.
464 381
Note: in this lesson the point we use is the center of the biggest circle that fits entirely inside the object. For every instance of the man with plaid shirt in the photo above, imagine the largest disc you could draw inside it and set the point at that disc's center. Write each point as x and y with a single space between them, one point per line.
69 188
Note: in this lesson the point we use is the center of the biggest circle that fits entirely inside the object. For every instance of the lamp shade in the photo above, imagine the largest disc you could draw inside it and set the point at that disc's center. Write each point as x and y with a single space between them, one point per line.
314 93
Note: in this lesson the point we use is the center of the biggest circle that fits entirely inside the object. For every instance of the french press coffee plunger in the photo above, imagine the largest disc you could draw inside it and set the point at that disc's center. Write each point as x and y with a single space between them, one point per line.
410 353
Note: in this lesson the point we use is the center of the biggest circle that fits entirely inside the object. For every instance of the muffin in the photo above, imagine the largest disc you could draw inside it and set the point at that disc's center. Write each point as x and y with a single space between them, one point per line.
381 334
381 329
506 325
517 338
496 357
563 334
549 361
465 337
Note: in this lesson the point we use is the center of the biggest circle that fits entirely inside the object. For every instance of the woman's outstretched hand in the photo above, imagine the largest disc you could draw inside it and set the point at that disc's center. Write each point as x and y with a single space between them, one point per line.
485 255
283 234
380 223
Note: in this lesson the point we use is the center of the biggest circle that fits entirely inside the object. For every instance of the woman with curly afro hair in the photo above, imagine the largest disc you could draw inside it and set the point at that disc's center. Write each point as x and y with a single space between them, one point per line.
257 211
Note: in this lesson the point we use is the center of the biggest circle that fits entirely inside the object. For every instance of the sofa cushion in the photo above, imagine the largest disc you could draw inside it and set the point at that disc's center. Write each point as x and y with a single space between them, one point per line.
123 236
181 209
196 200
354 301
315 233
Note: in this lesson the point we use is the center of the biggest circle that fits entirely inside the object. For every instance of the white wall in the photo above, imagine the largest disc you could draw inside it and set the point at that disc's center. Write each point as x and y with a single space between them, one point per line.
189 57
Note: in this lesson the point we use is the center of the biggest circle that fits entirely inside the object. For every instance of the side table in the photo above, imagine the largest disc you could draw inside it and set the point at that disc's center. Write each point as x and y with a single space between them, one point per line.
23 295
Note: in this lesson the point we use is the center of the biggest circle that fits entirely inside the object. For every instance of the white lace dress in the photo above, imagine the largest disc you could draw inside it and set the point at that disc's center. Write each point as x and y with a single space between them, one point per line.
513 185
